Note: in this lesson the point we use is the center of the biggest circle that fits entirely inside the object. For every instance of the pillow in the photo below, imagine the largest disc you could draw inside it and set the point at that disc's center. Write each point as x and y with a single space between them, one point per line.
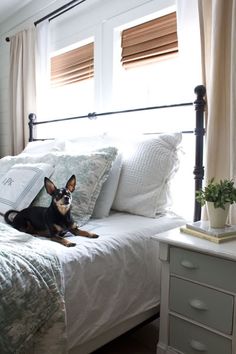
20 185
84 144
91 171
108 191
144 181
43 147
8 162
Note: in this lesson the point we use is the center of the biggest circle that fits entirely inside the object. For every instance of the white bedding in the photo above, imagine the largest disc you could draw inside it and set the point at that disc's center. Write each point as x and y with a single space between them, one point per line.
110 279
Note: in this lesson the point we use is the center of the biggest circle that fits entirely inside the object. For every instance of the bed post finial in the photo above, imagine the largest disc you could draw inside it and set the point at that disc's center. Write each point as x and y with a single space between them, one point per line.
32 119
200 91
199 131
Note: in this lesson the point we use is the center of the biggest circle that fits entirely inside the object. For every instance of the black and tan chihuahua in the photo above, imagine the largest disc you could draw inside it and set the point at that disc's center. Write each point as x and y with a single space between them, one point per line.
53 222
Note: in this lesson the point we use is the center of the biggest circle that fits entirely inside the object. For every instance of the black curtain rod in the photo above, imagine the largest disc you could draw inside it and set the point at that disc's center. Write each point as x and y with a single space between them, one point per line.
61 10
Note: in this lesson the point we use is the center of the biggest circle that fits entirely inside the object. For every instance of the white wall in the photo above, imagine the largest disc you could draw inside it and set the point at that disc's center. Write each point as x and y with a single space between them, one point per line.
95 18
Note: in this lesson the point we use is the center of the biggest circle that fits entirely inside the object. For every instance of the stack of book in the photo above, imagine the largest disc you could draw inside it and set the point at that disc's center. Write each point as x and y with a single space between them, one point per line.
202 229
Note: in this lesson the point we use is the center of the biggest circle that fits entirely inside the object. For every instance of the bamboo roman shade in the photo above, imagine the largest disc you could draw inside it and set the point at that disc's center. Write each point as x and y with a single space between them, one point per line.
73 66
151 40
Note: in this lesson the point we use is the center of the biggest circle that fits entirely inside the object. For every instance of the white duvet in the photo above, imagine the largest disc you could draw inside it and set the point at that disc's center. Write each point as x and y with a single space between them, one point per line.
112 278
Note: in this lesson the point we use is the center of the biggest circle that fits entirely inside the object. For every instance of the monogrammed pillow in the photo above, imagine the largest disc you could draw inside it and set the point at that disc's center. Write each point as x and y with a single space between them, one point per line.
20 185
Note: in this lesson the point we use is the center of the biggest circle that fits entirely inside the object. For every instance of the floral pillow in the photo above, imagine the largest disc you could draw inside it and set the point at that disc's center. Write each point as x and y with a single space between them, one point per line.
91 171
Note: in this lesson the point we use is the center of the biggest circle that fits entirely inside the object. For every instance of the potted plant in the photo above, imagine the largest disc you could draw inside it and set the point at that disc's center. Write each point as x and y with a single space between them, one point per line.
217 196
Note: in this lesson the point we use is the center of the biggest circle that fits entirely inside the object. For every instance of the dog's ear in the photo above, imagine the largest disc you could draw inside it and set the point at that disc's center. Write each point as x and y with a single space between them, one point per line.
71 183
49 185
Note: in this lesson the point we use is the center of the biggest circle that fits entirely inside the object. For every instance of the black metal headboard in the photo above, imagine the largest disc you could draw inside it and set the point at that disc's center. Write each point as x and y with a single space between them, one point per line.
199 132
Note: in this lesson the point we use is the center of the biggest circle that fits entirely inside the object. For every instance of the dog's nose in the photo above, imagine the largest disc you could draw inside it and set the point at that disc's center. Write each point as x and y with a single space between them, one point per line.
66 199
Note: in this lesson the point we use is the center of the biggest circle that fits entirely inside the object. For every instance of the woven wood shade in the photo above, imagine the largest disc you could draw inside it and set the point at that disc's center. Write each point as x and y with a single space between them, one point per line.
151 40
73 66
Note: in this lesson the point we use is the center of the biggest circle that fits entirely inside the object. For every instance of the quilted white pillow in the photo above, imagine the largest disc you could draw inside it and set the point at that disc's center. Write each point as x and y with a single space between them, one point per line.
20 185
144 181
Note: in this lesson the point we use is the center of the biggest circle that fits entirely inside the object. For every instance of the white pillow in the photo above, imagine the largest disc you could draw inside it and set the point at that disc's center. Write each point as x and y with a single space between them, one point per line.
91 171
43 147
8 162
85 144
20 185
144 181
108 191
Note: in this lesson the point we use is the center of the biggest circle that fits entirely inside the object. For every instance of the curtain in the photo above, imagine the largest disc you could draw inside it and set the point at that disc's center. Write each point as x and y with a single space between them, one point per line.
22 86
189 45
42 68
218 30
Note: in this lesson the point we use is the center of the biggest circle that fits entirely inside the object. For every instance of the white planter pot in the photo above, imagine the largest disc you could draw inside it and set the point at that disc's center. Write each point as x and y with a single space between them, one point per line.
217 216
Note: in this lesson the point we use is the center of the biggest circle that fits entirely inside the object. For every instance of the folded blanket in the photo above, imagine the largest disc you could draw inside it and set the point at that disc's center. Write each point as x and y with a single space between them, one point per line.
32 309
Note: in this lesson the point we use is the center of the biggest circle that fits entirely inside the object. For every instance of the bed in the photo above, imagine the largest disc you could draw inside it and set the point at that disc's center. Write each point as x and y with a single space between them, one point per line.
74 300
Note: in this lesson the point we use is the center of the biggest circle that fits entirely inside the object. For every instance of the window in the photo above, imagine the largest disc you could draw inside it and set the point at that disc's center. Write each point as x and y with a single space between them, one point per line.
150 73
150 41
71 90
73 66
149 55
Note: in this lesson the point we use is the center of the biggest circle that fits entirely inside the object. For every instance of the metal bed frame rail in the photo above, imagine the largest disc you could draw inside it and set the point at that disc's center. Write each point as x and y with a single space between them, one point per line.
199 132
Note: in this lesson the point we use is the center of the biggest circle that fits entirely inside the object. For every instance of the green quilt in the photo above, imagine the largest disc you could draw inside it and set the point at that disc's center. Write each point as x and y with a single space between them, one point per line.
32 309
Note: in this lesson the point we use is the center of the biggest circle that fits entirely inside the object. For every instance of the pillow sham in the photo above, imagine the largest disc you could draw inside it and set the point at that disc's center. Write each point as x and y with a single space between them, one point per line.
144 181
91 171
9 161
43 147
108 191
20 185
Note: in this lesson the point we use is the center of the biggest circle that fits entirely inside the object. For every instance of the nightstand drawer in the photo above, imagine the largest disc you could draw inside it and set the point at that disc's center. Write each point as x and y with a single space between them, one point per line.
191 339
207 269
202 304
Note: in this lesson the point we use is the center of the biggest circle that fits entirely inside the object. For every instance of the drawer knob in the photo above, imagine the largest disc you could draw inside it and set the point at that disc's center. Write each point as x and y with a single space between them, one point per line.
198 346
187 264
198 304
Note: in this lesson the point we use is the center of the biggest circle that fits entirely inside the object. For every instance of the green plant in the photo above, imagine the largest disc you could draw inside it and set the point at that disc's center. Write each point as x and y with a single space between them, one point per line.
219 193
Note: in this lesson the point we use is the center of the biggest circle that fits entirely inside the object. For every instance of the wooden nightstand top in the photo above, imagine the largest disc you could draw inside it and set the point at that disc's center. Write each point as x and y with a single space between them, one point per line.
176 238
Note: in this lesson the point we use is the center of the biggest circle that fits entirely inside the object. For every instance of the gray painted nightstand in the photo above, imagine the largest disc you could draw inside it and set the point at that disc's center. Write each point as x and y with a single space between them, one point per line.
198 295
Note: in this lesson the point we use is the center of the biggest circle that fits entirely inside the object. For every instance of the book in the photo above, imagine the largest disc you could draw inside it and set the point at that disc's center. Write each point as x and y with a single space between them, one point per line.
203 235
204 227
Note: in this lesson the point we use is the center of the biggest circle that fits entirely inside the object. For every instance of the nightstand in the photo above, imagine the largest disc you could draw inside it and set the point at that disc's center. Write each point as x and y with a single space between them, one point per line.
198 295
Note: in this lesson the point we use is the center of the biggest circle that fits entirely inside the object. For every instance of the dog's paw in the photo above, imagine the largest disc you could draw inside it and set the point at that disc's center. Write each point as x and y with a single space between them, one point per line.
94 236
71 244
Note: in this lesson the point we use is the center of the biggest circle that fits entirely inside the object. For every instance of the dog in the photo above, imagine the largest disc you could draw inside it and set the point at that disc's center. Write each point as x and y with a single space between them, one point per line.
53 222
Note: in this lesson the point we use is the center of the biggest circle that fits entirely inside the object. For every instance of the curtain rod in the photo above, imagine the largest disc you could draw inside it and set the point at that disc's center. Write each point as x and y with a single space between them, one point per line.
61 10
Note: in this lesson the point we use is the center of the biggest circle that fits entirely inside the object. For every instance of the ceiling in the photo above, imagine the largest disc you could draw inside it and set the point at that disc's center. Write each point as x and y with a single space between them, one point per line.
10 7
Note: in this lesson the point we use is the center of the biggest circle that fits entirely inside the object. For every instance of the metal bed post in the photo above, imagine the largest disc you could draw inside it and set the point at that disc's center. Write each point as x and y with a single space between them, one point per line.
32 120
199 132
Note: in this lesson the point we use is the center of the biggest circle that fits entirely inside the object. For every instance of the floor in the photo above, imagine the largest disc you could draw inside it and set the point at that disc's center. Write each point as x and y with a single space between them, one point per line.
141 341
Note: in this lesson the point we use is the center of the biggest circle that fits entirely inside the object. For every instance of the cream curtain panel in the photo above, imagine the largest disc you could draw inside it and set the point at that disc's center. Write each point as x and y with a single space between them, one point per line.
22 86
218 31
42 69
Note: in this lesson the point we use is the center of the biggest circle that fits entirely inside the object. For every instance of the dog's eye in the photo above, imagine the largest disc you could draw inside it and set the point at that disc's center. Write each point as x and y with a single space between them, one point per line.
59 195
